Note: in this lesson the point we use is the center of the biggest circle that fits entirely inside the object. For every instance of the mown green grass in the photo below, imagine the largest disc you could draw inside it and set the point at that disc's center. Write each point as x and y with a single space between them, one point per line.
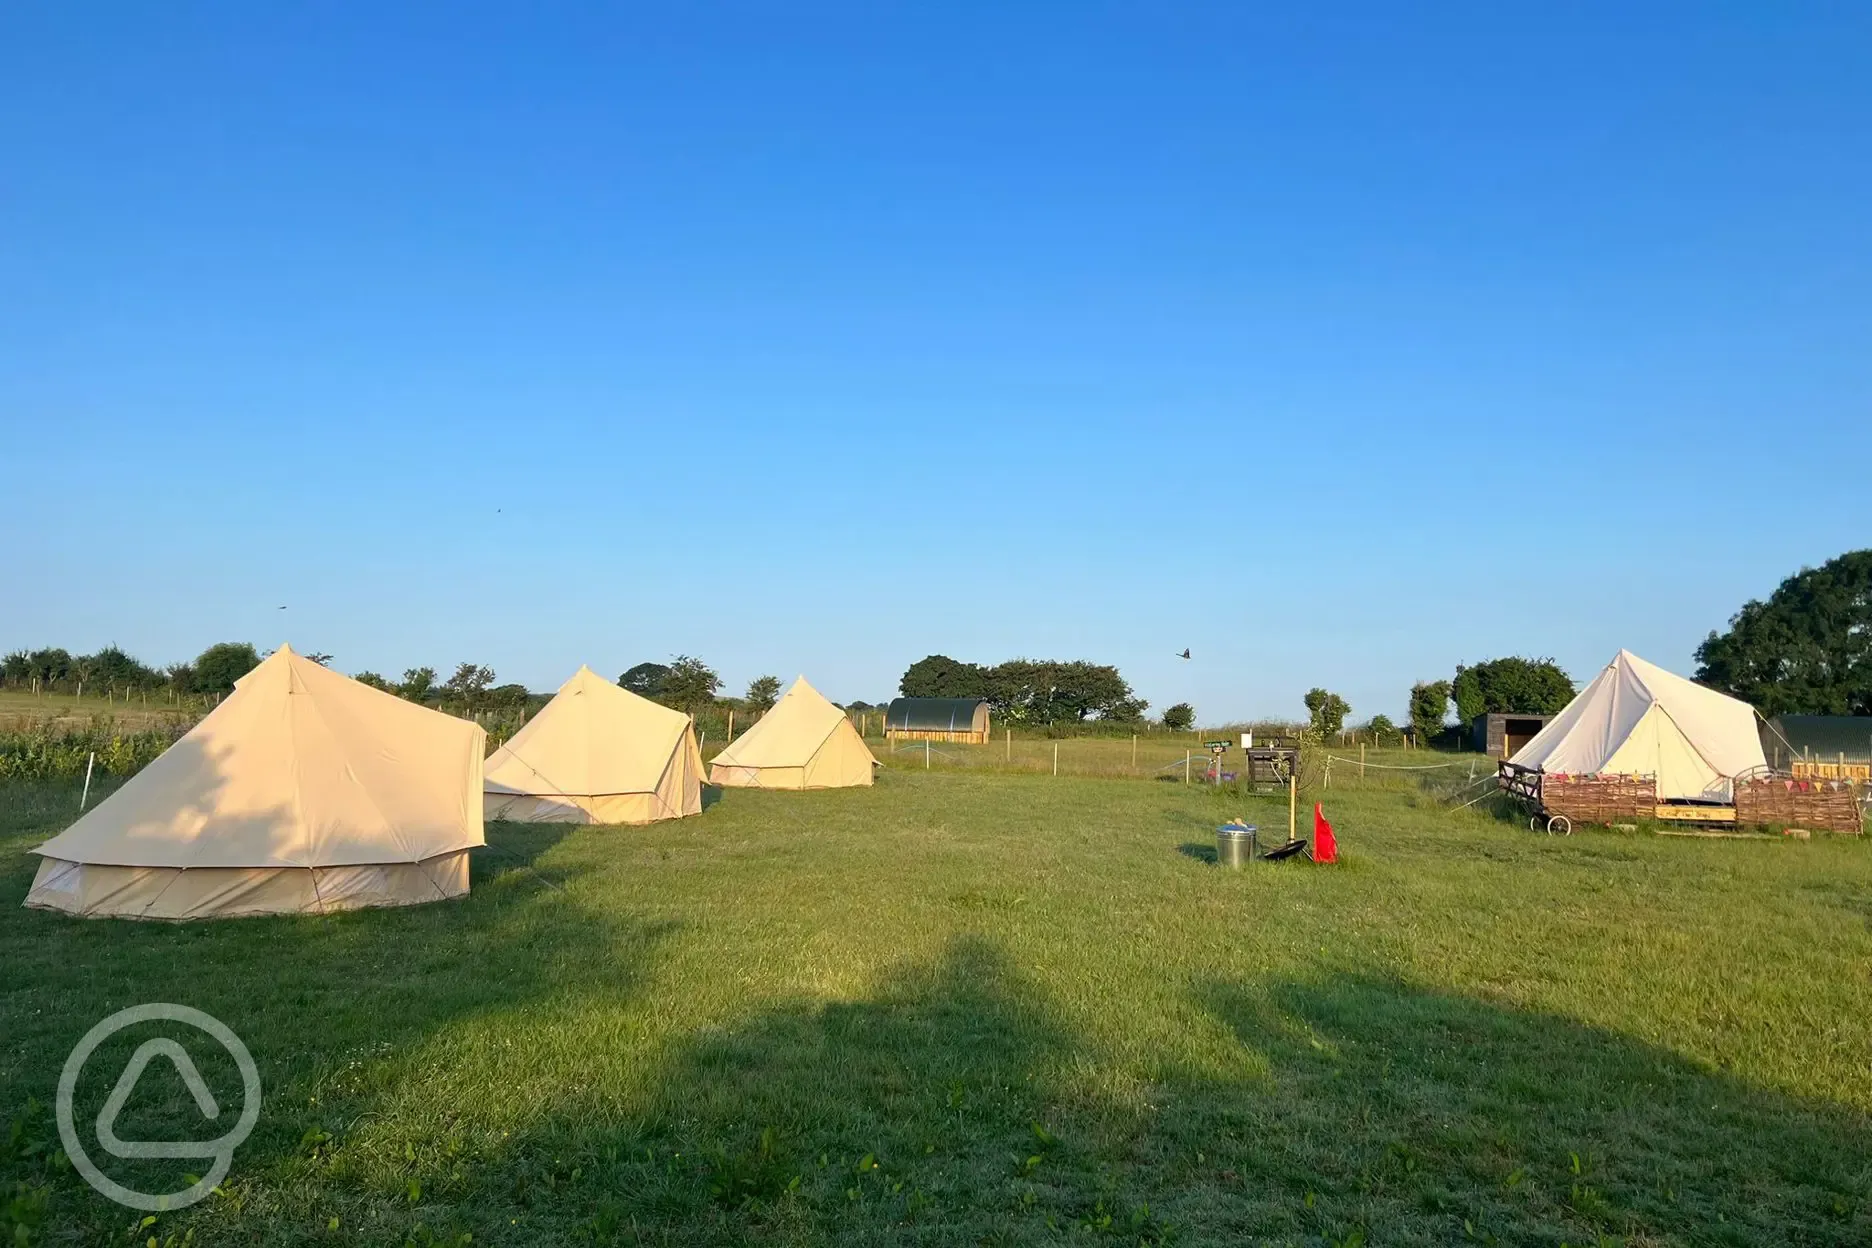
965 1008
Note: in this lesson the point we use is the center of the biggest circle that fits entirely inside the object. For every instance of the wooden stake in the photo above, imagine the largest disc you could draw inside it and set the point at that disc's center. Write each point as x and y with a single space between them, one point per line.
1134 751
1361 762
1292 798
1056 758
1010 745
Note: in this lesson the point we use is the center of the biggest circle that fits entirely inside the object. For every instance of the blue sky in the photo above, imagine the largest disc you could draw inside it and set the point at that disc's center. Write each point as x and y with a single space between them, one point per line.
1340 347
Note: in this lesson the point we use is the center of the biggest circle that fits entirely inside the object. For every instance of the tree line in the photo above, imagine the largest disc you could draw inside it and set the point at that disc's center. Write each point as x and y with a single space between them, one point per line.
54 669
688 684
215 670
1033 691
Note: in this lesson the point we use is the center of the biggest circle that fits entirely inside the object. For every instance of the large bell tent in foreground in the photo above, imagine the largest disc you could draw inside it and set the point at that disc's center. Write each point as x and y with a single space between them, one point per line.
303 791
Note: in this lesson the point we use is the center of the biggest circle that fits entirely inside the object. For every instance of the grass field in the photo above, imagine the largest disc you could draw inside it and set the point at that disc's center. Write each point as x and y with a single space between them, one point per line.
964 1007
20 711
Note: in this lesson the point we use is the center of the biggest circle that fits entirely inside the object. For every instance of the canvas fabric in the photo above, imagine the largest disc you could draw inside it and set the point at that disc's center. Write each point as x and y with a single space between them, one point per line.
1637 719
227 892
804 742
299 770
597 753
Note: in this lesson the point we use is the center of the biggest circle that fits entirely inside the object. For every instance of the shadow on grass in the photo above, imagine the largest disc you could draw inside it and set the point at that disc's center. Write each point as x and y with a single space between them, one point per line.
1197 850
952 1107
342 1013
711 793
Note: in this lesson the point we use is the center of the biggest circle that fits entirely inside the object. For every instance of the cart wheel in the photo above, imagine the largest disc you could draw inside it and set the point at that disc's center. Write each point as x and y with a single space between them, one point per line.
1559 825
1533 823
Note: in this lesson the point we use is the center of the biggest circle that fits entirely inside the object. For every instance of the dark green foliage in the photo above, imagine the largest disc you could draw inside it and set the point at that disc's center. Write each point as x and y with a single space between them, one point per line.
111 668
1029 691
374 681
44 666
507 696
1180 717
1047 691
1326 712
690 685
1513 685
940 676
418 684
646 679
762 693
1807 650
45 754
1429 704
469 684
220 665
1383 731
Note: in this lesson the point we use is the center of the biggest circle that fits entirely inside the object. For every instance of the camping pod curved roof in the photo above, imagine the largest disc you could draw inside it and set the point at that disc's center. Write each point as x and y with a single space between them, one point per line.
933 714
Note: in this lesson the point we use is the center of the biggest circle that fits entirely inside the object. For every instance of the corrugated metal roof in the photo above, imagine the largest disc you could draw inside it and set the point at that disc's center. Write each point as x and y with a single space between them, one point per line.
1825 737
931 714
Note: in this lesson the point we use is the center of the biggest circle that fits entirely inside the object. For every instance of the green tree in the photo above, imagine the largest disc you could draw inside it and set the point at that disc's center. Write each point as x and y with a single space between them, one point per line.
111 668
49 665
1326 712
16 668
1178 718
1429 704
1049 691
321 658
690 685
1805 651
646 680
469 683
508 696
220 665
762 693
939 676
374 681
180 677
1515 686
1124 711
418 684
1382 730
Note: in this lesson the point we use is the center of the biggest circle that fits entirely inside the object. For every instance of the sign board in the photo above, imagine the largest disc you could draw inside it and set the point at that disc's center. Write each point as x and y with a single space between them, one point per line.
1217 747
1247 740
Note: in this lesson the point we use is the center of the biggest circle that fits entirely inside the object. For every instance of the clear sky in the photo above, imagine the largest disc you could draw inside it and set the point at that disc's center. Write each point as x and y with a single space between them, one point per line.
1340 344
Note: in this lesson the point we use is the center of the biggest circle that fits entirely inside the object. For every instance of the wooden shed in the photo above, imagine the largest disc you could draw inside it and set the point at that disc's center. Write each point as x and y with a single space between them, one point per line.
1499 735
937 719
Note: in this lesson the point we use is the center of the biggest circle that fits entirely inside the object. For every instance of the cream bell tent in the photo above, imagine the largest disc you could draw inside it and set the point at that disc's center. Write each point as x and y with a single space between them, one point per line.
597 754
804 742
1636 719
302 791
